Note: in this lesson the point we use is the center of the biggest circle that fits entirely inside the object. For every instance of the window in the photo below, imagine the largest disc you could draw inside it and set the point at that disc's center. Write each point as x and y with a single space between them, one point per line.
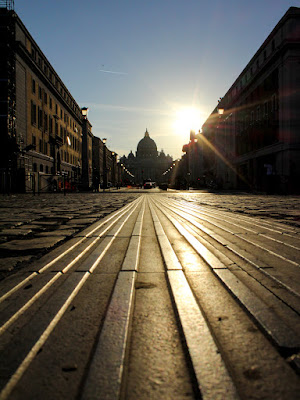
258 113
266 109
40 118
45 122
40 93
33 140
45 98
40 146
34 167
33 86
45 148
274 104
50 103
33 113
246 124
50 125
41 168
33 53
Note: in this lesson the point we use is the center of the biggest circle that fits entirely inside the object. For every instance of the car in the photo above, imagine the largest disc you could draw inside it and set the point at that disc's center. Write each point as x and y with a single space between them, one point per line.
148 185
163 186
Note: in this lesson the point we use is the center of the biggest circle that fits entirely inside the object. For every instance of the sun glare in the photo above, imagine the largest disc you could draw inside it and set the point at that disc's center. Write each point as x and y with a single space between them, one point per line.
187 119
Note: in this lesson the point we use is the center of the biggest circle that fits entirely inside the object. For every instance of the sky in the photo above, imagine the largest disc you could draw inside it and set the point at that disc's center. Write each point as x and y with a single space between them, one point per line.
159 65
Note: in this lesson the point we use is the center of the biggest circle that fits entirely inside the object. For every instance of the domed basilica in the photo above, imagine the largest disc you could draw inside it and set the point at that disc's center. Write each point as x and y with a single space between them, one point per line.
148 163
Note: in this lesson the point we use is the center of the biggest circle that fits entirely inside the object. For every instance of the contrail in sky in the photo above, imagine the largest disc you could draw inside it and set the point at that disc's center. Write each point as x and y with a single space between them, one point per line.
112 72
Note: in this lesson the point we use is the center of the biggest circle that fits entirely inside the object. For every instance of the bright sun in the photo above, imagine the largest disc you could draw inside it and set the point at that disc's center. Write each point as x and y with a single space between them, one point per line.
187 119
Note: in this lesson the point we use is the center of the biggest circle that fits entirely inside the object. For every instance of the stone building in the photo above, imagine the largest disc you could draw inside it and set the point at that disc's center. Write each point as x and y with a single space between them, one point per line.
106 169
40 122
87 152
252 138
148 163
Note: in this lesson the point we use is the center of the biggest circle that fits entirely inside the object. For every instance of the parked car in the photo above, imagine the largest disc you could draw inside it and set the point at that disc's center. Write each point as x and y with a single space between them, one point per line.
163 186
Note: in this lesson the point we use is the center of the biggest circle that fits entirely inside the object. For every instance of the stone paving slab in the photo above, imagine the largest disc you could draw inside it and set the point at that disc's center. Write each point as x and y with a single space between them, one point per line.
285 209
31 225
15 232
31 245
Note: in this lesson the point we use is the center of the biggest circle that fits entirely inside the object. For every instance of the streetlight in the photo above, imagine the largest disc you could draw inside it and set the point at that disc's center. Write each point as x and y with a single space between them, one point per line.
220 109
104 165
113 168
84 112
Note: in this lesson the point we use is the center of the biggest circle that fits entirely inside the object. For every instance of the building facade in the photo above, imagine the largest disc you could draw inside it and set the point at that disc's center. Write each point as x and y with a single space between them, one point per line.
40 122
106 169
252 138
148 163
87 154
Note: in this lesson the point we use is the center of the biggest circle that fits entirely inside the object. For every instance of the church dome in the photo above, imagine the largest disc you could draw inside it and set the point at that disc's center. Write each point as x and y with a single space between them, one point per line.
130 155
146 147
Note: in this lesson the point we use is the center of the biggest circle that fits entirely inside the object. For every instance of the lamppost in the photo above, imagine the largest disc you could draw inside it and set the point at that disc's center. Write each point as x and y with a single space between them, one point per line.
114 163
85 181
84 112
104 165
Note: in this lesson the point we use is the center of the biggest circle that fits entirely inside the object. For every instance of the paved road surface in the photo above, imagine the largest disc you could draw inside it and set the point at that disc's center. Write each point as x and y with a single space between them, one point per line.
167 297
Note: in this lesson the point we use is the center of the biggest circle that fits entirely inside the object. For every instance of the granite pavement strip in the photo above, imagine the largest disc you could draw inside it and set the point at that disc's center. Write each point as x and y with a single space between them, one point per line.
32 225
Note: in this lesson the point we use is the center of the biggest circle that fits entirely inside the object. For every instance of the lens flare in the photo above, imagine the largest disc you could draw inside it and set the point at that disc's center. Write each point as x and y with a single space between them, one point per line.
187 119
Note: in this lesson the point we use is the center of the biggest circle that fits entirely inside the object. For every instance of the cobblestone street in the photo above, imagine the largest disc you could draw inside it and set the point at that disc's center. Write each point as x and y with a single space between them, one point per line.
31 225
148 294
282 208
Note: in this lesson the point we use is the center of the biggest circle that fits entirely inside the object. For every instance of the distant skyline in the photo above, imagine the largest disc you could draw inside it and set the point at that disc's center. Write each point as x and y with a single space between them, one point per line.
160 65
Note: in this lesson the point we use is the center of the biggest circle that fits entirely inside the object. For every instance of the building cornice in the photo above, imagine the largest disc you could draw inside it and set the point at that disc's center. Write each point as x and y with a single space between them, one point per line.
23 52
